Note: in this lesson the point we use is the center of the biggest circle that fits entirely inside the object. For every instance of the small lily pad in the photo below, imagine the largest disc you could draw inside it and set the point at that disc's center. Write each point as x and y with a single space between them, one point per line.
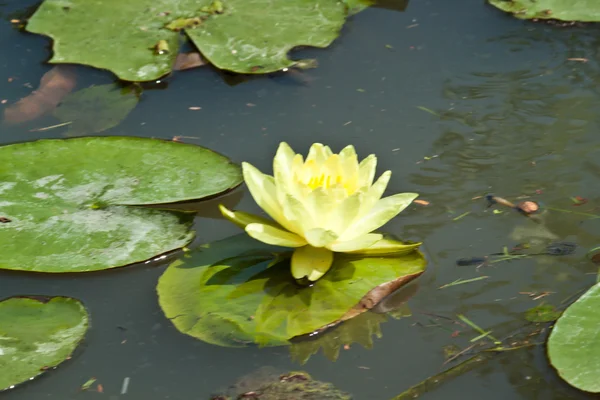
74 205
229 293
37 334
574 343
96 109
563 10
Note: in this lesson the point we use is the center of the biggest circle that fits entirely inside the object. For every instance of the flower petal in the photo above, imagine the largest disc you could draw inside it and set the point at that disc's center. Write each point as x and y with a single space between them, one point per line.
320 204
242 219
373 194
282 170
349 168
262 189
298 214
348 151
311 262
387 247
344 214
272 235
359 243
382 212
366 171
319 237
318 154
283 159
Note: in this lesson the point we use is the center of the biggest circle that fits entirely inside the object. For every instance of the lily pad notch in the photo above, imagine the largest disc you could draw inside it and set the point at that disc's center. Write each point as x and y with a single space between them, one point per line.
233 35
77 205
37 334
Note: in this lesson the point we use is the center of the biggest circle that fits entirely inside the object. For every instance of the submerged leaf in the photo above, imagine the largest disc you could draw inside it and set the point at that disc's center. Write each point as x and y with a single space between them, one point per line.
96 109
36 335
71 204
542 313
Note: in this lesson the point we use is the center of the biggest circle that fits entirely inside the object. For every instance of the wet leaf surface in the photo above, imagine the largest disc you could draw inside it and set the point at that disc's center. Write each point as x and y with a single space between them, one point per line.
243 36
72 203
574 343
37 335
96 109
564 10
265 305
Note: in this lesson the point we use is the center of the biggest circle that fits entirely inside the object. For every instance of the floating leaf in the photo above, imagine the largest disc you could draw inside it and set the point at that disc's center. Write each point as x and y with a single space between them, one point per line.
574 343
227 294
542 313
36 335
70 204
564 10
96 109
244 36
88 384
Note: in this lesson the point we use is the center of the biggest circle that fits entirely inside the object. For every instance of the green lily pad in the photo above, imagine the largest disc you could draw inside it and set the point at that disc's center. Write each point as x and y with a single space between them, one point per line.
574 343
37 334
248 36
96 109
563 10
70 205
228 293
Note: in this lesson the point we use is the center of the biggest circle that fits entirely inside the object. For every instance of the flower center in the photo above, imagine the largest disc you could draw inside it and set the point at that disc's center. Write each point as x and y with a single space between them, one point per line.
328 174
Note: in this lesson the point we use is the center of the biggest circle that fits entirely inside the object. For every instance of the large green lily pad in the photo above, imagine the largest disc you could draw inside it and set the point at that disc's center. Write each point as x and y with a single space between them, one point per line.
249 36
563 10
228 293
574 343
37 334
96 109
68 205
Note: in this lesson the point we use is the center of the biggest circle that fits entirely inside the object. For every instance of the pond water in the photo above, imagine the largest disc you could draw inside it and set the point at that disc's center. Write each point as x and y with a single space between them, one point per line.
511 115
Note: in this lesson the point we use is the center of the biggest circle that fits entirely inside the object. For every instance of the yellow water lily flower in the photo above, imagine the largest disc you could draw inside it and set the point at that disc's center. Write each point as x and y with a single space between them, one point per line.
327 203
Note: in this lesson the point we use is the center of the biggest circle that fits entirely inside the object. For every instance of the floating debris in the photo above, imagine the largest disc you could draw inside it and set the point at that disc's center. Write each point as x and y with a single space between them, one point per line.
88 384
125 386
161 47
561 248
462 281
525 207
464 262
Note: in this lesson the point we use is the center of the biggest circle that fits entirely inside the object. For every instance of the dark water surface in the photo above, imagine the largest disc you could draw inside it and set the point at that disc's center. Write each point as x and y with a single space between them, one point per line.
515 117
